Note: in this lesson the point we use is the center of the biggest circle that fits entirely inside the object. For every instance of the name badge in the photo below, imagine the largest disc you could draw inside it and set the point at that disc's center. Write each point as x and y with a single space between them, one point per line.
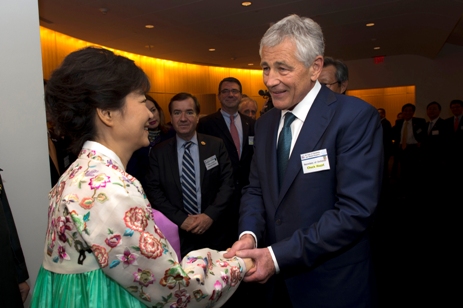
251 140
315 161
434 132
211 162
419 131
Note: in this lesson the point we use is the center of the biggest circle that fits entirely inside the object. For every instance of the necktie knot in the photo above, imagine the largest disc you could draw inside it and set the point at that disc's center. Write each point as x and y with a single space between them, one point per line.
187 145
289 118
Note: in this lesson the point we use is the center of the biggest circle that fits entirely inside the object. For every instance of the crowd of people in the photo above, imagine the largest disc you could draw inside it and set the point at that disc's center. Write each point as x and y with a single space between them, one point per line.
224 210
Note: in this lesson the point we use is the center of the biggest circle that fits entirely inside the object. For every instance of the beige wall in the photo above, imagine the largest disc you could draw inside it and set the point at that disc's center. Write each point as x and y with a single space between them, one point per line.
23 139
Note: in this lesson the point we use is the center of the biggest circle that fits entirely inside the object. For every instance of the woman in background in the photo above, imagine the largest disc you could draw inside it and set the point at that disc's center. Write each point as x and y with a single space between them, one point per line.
102 247
157 132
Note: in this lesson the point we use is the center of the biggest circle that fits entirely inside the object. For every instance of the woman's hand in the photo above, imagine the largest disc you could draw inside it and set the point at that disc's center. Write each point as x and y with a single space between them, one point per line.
249 263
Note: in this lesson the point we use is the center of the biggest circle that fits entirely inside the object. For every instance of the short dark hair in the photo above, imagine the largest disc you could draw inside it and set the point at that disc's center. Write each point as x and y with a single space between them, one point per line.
409 105
342 72
456 101
88 79
232 80
434 103
381 109
183 96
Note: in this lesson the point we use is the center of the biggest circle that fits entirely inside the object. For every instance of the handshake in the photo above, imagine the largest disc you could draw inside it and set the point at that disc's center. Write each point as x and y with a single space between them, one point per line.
258 261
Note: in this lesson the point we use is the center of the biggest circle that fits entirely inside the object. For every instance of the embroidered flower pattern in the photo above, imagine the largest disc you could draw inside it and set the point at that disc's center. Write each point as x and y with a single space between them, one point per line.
136 219
143 277
99 212
99 181
128 258
113 241
101 254
150 246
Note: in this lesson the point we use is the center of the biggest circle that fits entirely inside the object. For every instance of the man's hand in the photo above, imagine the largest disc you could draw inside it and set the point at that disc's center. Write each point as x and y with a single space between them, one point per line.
245 242
202 223
263 268
189 223
24 290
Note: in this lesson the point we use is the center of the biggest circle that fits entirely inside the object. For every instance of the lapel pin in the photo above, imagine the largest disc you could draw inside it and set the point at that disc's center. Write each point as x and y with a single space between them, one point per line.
203 143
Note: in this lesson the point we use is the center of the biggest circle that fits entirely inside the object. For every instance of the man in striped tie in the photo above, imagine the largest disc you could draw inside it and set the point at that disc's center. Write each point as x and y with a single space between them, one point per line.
191 179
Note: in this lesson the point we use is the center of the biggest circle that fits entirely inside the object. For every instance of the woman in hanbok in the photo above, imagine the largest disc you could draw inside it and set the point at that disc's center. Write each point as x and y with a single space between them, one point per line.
102 246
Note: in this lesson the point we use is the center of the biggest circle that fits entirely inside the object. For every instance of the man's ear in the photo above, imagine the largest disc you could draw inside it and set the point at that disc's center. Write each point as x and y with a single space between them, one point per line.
317 67
344 86
105 116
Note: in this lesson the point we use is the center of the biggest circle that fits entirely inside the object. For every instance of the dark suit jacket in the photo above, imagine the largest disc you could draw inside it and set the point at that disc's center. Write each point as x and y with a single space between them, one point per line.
317 223
387 137
419 130
435 144
455 144
164 190
214 125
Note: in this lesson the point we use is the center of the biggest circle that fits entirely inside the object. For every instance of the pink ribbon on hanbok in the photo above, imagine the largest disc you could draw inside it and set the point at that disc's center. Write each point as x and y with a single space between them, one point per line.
169 229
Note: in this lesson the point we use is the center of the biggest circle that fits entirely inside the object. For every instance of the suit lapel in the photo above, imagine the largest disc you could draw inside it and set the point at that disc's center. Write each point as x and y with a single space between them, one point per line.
315 124
173 158
245 125
222 126
270 156
202 151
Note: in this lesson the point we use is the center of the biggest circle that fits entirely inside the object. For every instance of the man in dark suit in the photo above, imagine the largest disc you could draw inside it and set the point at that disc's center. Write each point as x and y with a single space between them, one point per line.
455 153
313 214
239 148
387 141
435 144
408 134
201 222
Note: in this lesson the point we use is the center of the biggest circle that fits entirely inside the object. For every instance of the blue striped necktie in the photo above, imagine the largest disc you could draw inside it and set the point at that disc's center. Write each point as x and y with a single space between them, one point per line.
189 181
284 145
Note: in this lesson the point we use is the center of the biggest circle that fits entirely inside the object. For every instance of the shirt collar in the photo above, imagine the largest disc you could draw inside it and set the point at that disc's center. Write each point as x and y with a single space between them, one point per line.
302 109
227 115
181 142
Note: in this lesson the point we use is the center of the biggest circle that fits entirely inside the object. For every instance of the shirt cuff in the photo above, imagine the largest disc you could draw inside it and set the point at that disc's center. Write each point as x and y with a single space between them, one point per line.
277 268
253 235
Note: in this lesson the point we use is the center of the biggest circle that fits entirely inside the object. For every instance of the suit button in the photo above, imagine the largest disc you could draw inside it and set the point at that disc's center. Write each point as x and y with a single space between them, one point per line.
278 222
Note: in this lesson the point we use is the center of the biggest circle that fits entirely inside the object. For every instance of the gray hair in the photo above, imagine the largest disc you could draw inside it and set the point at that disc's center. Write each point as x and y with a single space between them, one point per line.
306 34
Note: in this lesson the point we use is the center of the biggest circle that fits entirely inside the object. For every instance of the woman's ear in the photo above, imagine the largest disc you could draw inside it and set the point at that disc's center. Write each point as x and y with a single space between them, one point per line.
105 116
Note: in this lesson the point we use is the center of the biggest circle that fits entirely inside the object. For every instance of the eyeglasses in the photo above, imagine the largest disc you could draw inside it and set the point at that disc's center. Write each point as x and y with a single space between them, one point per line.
227 91
329 84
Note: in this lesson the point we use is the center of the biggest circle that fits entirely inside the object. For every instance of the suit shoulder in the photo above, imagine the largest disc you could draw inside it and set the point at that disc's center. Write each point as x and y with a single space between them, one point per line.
163 144
209 139
208 118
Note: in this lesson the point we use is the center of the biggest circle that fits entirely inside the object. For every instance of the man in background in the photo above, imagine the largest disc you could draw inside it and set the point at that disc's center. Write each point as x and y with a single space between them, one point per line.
334 75
190 180
237 132
248 106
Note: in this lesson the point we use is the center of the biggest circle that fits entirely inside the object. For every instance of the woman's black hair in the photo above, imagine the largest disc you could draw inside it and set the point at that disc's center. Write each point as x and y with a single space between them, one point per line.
88 79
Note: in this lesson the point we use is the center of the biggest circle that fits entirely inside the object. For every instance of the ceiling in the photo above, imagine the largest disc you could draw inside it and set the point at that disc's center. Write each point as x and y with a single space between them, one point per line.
184 30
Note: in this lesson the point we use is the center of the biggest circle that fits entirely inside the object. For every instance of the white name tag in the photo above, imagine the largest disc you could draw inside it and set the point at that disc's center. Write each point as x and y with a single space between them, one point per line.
434 132
315 161
211 162
251 140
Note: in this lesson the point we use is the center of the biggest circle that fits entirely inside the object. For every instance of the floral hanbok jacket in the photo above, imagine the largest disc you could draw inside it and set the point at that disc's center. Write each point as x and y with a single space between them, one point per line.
99 217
